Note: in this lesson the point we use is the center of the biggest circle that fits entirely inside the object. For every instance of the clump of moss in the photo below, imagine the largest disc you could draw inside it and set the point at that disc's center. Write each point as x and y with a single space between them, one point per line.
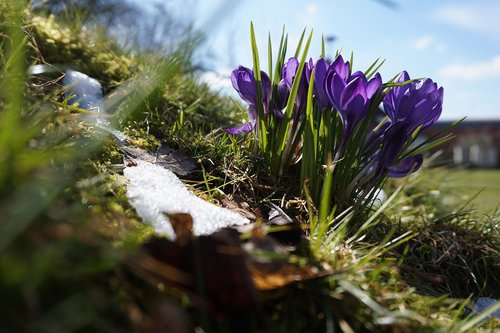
83 50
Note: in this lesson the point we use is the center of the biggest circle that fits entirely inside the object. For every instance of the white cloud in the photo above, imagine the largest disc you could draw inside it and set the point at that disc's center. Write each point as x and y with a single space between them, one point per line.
423 43
441 47
429 43
473 71
467 100
312 9
308 16
219 80
479 16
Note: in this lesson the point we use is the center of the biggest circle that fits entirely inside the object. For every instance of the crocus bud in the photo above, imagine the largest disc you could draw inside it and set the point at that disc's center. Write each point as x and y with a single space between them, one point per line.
320 70
243 81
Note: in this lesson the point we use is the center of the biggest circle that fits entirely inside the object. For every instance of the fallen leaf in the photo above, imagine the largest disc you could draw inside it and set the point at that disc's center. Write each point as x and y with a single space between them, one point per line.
220 279
238 206
175 160
182 223
171 159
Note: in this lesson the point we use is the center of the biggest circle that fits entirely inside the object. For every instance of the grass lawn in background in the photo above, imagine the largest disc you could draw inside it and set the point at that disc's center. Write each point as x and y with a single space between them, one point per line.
465 183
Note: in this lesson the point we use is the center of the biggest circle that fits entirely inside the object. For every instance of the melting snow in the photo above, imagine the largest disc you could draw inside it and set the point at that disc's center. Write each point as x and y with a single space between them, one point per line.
82 89
153 190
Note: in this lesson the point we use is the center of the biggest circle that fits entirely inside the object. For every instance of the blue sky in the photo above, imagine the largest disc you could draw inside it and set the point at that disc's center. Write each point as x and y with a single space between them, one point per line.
454 42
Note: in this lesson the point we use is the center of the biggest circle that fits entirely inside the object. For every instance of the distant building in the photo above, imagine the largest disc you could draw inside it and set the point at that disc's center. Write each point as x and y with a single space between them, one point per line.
476 143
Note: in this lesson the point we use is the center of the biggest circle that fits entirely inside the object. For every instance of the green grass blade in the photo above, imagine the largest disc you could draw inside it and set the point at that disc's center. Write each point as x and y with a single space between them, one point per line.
296 81
270 56
391 82
255 53
237 104
372 218
299 45
374 68
262 130
351 61
425 147
284 142
362 296
309 146
281 58
323 47
324 208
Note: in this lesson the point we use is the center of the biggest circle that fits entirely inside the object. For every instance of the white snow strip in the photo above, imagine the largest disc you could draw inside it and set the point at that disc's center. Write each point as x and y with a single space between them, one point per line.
153 190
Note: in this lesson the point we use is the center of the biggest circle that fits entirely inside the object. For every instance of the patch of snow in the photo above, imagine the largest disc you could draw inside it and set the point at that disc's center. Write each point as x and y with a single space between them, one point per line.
83 89
153 190
87 92
379 199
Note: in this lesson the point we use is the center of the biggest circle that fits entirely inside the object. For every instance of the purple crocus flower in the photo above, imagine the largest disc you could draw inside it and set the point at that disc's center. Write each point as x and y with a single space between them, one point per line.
418 103
393 140
279 103
341 67
374 138
351 95
244 83
405 166
320 71
289 72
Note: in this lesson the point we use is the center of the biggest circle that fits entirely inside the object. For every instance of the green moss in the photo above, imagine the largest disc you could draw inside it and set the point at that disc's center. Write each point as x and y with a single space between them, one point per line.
98 57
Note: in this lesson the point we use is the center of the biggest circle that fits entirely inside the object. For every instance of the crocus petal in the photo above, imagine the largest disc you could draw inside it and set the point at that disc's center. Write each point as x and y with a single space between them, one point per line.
289 70
243 82
352 91
373 86
252 114
283 94
289 74
320 71
360 75
244 128
266 88
393 97
394 140
309 66
334 86
352 114
406 166
375 138
340 67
